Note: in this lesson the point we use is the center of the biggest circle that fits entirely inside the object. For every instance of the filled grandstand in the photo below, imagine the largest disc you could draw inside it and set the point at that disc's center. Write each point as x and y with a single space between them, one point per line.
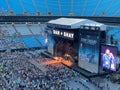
59 45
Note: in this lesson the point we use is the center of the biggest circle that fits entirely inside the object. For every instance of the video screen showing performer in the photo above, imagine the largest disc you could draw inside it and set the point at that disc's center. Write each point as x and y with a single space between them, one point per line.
109 55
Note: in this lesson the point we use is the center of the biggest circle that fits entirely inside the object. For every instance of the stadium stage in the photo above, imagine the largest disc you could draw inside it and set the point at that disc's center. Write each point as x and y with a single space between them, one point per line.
70 64
81 46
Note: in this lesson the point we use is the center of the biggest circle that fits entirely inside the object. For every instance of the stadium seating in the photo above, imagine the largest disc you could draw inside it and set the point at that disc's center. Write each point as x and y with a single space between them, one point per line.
42 39
89 7
10 29
113 10
24 62
53 7
117 36
15 6
36 30
115 32
27 38
61 7
41 6
28 6
101 9
16 39
22 29
30 42
118 45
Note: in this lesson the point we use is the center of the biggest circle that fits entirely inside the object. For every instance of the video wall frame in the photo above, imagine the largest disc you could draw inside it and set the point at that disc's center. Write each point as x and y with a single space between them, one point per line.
108 57
89 48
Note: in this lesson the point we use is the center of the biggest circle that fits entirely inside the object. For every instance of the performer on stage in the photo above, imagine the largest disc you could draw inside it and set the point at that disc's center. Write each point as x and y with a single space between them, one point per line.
108 60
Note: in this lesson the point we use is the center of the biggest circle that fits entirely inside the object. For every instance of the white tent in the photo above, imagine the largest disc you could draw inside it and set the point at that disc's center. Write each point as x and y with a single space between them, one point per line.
76 23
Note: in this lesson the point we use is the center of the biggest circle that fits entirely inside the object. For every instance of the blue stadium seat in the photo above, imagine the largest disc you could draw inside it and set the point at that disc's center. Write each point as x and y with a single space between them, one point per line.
42 40
15 6
78 7
3 7
118 45
30 42
53 7
41 6
100 11
112 11
89 8
117 36
16 39
63 7
113 31
29 7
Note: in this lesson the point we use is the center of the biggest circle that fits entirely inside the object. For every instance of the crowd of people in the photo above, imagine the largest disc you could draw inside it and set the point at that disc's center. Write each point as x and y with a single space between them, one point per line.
6 41
59 73
17 73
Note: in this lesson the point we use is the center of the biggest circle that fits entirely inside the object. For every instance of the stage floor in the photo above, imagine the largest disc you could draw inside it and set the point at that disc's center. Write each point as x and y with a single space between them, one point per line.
75 67
83 72
72 65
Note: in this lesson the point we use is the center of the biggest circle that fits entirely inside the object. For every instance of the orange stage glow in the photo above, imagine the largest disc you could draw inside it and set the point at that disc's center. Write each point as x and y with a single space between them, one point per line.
67 62
51 62
57 60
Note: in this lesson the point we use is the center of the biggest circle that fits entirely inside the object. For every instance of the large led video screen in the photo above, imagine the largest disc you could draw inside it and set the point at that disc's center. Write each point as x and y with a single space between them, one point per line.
109 57
89 50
